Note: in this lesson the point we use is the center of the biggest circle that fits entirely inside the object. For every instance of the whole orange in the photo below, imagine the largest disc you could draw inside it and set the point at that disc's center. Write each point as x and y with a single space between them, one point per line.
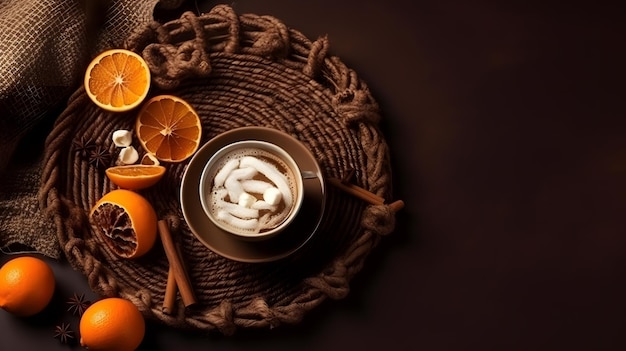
26 286
126 222
112 324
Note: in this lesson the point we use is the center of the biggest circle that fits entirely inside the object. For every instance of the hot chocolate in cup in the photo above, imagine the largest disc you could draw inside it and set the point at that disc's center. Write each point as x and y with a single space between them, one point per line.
252 189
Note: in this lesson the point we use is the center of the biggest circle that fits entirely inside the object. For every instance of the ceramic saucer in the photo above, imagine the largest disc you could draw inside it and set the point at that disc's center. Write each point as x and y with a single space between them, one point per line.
225 244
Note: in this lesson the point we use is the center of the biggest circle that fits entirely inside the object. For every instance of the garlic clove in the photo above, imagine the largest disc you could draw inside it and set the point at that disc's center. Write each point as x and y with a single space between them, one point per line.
128 156
122 138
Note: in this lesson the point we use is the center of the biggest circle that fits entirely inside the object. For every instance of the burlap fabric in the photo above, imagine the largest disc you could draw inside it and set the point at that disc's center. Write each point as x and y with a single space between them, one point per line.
44 46
236 70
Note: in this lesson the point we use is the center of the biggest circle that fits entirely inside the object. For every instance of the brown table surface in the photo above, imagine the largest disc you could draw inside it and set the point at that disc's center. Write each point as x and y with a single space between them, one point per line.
508 135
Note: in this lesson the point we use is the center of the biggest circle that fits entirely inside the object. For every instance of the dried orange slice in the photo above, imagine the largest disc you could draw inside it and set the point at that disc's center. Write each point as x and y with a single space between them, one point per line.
169 128
126 222
117 80
135 177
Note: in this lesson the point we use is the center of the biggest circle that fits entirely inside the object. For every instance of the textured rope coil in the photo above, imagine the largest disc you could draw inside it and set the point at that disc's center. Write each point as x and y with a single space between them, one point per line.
236 70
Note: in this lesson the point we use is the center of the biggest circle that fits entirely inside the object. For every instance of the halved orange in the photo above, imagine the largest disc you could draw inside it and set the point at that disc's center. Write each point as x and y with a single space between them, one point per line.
135 177
117 80
126 222
169 128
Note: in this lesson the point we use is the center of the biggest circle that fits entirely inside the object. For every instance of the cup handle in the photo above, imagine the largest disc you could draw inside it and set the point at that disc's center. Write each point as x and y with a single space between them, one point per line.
309 175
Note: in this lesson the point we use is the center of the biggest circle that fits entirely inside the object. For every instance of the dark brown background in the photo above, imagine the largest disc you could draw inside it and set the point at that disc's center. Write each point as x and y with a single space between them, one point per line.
508 137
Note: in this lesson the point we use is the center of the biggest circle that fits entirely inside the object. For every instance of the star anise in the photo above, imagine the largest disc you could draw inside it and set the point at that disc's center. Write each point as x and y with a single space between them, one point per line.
64 333
78 304
100 157
84 146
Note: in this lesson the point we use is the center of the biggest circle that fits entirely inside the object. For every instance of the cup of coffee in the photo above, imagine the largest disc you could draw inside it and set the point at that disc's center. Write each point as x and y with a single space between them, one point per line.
252 189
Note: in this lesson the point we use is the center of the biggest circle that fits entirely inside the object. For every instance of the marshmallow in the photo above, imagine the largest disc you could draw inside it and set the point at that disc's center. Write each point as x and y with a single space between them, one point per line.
255 186
236 209
122 138
247 224
240 195
233 184
246 200
223 173
272 196
273 174
262 205
221 193
269 221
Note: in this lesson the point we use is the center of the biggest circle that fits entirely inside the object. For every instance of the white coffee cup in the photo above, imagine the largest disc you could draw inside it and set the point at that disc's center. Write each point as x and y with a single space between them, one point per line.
252 189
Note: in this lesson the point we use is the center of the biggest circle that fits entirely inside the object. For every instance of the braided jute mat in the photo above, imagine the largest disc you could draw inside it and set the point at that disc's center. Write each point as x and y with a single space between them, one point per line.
235 70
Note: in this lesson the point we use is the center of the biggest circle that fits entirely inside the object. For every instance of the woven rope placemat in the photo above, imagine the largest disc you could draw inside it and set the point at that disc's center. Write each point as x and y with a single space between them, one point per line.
235 70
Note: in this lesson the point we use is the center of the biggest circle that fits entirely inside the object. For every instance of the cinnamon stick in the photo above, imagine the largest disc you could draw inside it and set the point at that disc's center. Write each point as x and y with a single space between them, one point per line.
170 293
182 280
396 205
179 251
357 191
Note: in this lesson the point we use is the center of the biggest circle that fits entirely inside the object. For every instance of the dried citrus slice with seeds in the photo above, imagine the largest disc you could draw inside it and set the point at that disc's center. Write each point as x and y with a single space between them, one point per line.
135 177
117 80
169 128
126 222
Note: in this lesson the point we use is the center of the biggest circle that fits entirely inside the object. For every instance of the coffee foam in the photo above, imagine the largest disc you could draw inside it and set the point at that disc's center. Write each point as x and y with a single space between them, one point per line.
234 169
